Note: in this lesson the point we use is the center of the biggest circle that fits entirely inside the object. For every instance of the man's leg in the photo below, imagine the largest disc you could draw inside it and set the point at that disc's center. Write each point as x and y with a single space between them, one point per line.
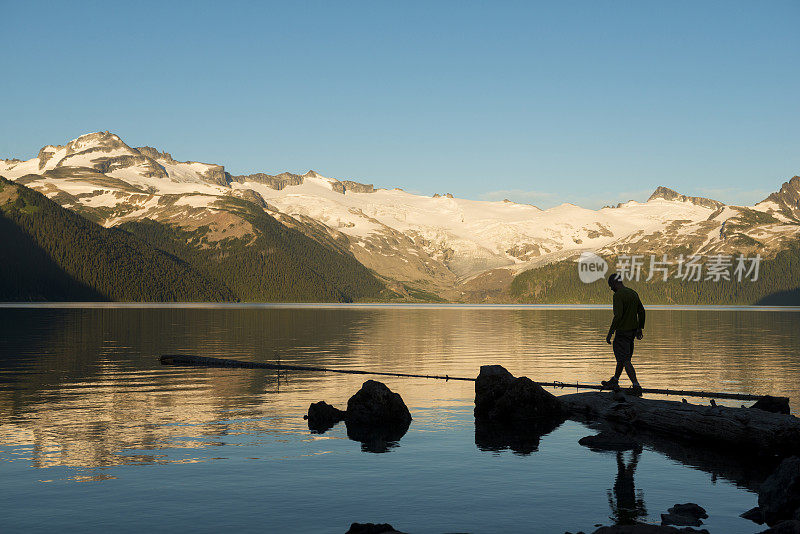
622 352
629 366
631 372
619 354
618 371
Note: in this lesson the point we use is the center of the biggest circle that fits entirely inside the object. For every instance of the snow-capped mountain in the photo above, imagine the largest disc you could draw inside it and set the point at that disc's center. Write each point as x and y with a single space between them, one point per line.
431 243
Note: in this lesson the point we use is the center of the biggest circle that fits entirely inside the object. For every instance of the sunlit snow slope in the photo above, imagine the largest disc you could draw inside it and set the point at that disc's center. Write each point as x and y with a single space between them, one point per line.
431 243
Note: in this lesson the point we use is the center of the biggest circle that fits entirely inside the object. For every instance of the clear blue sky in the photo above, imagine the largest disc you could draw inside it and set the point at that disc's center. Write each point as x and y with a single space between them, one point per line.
587 102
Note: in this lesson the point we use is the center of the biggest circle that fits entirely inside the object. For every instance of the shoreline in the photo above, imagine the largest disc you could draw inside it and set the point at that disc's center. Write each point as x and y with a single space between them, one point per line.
367 306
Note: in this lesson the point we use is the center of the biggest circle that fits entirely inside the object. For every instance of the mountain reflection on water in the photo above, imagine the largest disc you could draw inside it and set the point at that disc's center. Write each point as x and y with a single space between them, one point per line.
83 390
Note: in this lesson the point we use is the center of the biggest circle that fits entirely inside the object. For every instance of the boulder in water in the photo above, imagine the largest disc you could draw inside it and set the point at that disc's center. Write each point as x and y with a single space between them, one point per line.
501 397
491 384
779 496
376 404
322 416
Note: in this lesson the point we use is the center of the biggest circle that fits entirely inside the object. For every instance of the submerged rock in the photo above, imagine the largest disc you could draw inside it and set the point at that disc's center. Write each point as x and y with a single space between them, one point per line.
772 404
372 528
756 515
376 404
501 397
680 520
643 528
689 514
791 526
322 416
779 496
610 441
689 509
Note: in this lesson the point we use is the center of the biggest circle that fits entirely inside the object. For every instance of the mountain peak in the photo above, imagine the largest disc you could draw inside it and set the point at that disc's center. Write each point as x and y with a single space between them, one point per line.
665 193
95 140
788 197
154 153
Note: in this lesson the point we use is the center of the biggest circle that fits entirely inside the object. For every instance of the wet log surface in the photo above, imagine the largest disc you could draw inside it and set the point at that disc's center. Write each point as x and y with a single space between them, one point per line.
743 428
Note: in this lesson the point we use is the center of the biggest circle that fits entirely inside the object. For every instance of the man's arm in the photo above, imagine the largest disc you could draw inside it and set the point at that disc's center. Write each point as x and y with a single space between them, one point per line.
640 315
617 317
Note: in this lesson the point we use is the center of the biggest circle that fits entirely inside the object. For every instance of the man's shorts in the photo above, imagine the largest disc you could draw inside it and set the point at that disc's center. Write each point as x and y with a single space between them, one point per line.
623 345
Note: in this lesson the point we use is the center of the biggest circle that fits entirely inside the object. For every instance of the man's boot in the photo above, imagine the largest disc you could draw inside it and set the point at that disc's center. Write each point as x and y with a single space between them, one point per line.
612 383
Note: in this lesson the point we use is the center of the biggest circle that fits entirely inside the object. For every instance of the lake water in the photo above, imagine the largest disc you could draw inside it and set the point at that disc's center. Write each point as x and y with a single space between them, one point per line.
95 434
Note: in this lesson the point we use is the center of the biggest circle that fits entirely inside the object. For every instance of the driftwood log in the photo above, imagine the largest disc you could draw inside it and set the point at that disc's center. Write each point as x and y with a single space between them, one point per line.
745 429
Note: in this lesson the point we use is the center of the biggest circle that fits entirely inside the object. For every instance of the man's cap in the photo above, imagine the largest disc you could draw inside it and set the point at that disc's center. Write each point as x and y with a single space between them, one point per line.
614 278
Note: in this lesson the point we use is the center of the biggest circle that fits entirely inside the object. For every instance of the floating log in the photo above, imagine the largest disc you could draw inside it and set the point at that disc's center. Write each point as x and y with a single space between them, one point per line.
203 361
742 428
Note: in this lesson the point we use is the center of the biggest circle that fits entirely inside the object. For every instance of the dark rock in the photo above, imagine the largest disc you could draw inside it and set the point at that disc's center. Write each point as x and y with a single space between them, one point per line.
322 416
619 395
791 526
501 397
376 404
491 384
756 515
680 520
278 181
772 404
154 153
216 174
525 400
643 528
689 509
372 528
521 439
779 495
609 441
357 187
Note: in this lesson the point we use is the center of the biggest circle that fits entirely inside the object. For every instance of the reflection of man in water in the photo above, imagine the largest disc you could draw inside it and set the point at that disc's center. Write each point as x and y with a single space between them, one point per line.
628 324
626 506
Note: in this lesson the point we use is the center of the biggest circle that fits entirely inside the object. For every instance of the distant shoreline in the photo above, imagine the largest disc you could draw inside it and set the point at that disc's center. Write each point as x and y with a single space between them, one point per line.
367 306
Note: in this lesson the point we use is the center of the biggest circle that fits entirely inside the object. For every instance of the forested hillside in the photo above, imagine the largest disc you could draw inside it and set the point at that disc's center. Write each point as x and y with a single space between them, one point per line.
50 253
558 283
276 264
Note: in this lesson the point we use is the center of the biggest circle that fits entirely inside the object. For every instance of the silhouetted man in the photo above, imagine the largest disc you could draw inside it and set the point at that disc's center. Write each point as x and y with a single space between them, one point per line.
628 324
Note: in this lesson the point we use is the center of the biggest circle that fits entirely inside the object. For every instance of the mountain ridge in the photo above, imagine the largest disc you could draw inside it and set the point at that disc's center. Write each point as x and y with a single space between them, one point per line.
437 244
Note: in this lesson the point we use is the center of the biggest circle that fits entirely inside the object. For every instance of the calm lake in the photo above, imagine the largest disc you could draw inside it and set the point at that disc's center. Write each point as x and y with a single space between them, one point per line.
97 435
